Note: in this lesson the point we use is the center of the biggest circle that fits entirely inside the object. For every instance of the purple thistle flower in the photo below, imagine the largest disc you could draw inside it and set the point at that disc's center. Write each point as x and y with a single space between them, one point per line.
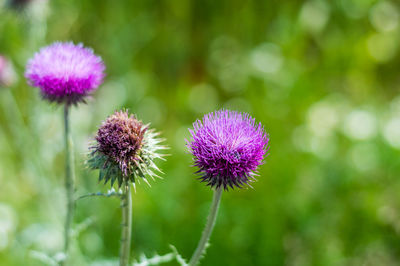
227 147
65 72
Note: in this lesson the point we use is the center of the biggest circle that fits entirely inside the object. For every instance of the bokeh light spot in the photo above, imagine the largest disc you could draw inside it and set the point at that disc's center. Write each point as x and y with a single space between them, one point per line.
360 125
384 16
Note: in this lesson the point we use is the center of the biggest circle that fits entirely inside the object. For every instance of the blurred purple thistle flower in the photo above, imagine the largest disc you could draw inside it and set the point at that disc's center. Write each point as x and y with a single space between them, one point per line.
65 72
227 147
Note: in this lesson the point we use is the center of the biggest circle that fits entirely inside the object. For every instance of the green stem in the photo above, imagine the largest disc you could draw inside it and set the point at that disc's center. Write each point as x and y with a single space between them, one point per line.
69 180
126 205
212 217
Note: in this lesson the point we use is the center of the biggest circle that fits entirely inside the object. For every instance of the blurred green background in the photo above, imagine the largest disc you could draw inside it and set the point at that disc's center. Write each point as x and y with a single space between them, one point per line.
322 76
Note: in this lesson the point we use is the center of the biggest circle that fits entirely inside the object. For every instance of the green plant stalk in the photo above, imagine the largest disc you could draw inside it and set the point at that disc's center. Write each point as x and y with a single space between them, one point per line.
126 205
69 181
212 217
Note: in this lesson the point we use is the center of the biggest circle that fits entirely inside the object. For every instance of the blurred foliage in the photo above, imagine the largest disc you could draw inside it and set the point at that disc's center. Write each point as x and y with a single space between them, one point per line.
322 76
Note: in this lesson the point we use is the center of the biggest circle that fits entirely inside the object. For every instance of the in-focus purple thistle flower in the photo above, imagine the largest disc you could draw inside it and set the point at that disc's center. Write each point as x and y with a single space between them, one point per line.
227 147
65 72
125 149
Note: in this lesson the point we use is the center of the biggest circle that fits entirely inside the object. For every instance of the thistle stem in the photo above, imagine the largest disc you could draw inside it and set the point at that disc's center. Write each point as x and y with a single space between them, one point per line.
126 205
212 217
69 180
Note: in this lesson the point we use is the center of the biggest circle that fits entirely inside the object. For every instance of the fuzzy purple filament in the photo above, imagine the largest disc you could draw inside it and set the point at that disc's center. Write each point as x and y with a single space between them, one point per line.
227 147
65 72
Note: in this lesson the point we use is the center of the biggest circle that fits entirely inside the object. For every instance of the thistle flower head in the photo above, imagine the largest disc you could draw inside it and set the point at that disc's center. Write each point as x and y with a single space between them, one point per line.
227 147
65 72
125 149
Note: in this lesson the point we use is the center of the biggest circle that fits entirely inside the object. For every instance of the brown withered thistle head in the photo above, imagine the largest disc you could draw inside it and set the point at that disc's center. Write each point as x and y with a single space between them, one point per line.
120 138
125 149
